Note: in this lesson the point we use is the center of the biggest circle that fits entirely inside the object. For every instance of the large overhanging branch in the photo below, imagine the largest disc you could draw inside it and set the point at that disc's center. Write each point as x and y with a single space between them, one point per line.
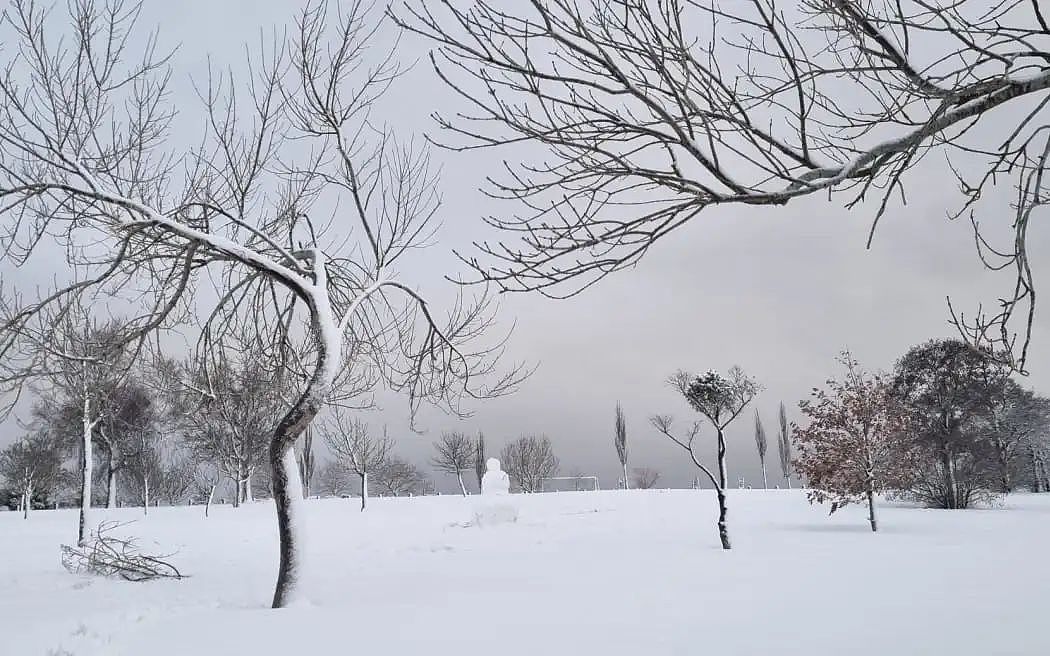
651 111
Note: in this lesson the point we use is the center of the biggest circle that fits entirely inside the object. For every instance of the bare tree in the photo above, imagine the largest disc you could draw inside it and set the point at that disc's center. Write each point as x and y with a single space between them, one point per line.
620 441
333 480
159 473
354 448
645 478
32 464
784 444
1016 418
125 431
455 454
528 460
397 476
229 412
761 444
479 458
670 107
82 363
720 399
86 157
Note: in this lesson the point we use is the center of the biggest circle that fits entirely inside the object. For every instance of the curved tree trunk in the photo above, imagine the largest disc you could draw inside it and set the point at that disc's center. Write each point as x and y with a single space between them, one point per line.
287 486
723 512
288 496
462 487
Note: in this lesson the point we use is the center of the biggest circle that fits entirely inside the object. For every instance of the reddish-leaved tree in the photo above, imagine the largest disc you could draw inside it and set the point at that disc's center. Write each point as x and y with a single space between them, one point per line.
853 445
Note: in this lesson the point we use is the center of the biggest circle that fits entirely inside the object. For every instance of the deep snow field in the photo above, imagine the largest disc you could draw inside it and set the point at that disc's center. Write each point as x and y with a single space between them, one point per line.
598 573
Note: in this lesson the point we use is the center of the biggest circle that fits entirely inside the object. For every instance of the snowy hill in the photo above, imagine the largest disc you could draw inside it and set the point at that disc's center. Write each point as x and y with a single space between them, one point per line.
601 573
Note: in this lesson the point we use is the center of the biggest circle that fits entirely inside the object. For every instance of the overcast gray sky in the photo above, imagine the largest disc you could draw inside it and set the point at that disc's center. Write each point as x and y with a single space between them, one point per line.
778 291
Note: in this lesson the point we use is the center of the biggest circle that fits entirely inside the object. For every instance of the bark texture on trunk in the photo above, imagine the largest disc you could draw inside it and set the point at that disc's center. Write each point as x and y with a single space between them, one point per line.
288 491
871 511
723 512
626 481
86 457
288 495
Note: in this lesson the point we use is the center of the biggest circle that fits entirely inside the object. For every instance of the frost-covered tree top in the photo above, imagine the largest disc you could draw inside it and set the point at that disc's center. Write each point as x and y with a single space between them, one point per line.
718 397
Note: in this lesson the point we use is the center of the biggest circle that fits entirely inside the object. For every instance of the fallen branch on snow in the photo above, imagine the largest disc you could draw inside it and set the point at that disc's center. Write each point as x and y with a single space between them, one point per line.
106 555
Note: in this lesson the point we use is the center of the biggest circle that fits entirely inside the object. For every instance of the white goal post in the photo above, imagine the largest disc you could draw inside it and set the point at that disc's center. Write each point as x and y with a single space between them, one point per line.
569 484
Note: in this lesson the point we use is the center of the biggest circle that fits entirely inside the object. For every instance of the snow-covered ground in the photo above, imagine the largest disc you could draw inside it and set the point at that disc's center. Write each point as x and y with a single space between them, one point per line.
600 573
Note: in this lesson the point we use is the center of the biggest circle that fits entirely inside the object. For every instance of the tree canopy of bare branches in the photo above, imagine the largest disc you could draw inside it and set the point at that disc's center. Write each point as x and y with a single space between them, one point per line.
648 112
32 464
454 455
227 412
294 205
720 399
397 476
528 460
644 478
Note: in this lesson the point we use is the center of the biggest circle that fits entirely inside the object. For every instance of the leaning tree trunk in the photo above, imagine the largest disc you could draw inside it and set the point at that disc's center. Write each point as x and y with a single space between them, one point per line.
723 511
85 474
462 487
